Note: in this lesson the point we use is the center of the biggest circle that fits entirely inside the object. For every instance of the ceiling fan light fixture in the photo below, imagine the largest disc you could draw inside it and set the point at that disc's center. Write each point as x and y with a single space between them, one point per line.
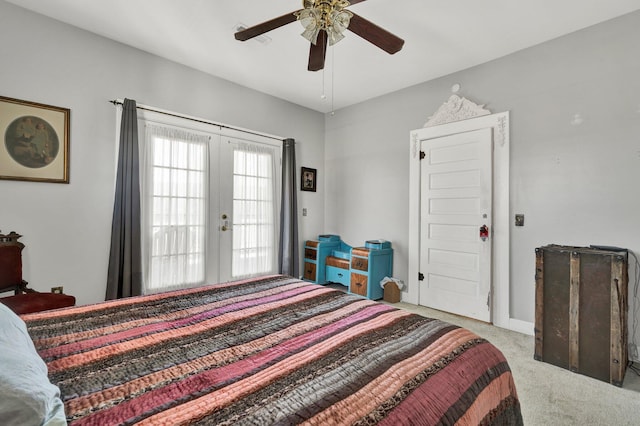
325 15
334 36
311 34
340 20
309 21
339 23
307 17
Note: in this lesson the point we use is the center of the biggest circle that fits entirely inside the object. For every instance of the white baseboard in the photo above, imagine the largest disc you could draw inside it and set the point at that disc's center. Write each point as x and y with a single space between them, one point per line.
520 326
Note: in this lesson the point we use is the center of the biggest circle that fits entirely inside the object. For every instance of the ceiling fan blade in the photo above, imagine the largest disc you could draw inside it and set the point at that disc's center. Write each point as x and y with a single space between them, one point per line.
318 52
264 27
375 34
352 2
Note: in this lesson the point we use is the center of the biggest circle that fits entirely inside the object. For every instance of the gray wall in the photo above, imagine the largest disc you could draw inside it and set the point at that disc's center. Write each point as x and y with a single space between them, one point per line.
67 228
576 185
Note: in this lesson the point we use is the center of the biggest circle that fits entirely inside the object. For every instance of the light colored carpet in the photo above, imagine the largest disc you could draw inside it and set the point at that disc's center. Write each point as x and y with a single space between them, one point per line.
550 395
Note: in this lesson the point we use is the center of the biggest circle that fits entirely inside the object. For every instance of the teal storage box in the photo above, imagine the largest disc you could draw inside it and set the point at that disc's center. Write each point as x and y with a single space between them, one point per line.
377 244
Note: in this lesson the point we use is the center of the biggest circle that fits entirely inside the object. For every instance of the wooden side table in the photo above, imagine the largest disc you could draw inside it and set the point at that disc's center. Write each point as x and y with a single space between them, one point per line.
35 302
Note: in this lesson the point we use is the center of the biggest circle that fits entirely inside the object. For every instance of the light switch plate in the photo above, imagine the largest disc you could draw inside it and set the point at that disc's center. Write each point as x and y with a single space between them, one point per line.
519 220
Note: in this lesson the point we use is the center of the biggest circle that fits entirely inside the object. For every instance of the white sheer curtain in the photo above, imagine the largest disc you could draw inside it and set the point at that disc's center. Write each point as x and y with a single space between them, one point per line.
254 210
174 207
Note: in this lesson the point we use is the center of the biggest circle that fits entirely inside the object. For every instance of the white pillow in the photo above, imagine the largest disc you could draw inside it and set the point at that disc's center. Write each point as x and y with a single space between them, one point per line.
26 395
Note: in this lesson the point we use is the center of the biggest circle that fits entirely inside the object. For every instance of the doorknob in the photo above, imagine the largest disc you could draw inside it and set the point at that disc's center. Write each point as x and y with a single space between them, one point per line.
484 232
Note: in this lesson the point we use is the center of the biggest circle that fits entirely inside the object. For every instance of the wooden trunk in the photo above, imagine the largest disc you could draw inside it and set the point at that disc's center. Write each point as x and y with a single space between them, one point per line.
581 310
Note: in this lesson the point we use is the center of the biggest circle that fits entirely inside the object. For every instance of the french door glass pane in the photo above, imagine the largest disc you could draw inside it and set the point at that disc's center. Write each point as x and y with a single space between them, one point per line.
253 211
176 170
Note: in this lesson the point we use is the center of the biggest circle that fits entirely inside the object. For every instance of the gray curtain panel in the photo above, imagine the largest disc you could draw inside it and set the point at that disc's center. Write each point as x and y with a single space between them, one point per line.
125 262
288 260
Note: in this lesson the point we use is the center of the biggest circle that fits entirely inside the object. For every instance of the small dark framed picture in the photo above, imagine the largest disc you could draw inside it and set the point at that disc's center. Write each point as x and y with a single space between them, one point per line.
308 179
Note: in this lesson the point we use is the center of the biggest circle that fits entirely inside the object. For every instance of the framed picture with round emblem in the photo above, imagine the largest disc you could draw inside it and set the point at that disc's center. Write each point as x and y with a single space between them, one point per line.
35 141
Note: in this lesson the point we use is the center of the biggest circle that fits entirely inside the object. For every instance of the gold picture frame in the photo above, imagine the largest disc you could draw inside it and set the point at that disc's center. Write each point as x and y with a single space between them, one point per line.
34 144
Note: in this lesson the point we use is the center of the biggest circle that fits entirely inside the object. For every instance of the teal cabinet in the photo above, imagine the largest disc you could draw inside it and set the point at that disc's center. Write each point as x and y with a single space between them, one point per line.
330 260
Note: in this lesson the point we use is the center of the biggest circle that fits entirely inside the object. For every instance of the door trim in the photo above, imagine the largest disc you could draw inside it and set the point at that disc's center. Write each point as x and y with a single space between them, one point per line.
499 123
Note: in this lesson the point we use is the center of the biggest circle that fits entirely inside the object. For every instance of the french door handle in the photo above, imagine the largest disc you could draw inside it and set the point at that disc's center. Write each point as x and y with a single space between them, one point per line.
225 224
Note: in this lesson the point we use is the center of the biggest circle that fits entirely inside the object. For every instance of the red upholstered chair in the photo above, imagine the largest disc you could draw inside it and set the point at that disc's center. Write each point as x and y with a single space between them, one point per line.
24 300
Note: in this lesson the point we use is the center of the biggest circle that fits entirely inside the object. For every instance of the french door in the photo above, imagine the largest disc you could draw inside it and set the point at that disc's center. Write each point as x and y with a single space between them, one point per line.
248 208
210 200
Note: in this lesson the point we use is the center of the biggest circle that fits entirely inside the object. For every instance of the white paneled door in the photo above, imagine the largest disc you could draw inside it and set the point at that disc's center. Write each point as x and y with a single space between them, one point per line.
456 223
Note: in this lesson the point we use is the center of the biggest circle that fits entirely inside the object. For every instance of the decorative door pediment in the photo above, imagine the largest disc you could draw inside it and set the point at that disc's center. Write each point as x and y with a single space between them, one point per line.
456 109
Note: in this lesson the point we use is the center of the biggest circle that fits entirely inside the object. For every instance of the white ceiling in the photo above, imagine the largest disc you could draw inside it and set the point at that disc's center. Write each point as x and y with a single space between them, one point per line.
441 37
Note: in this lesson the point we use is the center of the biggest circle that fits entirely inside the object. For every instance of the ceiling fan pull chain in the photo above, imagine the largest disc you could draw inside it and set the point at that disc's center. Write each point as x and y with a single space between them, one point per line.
333 63
323 96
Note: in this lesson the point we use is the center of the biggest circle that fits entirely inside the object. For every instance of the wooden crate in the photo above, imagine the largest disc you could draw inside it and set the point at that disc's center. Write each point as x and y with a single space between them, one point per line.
581 310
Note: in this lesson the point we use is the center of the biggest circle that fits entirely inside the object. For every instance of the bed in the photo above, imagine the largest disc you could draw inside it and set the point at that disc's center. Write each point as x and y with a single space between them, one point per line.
269 350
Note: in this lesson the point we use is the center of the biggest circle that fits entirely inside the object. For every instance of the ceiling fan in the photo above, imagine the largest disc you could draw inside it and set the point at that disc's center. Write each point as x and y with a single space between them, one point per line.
324 22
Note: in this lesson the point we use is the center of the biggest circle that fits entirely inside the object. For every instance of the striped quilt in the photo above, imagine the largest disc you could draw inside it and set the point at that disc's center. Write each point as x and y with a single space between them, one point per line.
271 350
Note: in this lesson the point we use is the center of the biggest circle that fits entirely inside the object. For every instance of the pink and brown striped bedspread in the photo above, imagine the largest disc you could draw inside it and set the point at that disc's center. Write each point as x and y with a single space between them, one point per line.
272 350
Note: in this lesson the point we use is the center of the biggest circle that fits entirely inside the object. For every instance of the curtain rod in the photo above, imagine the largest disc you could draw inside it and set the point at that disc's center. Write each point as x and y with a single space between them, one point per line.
147 108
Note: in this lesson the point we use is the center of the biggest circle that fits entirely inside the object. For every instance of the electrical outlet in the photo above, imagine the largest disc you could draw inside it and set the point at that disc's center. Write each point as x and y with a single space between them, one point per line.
56 290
